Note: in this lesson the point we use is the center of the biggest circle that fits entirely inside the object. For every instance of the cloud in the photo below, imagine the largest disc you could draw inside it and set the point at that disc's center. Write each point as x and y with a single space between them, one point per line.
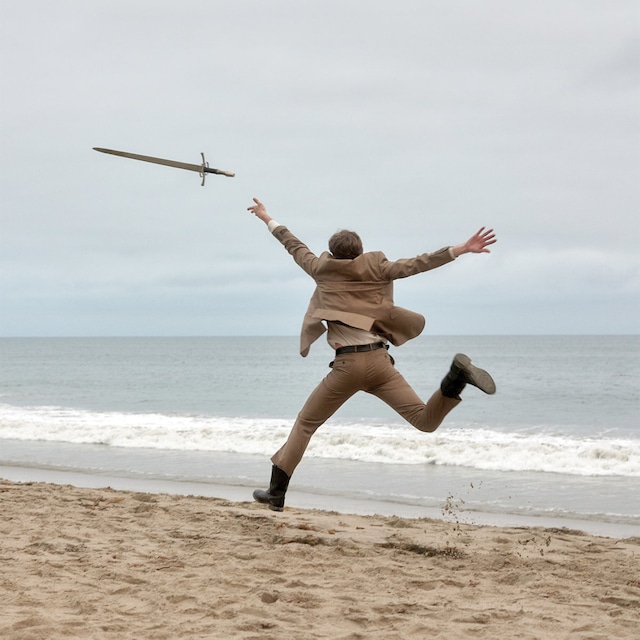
413 122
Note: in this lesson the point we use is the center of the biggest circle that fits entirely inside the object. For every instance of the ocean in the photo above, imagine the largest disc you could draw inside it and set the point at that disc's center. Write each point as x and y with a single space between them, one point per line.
559 441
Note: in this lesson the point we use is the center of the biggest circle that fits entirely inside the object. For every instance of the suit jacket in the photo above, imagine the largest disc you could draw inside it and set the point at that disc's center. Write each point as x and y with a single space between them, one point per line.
358 292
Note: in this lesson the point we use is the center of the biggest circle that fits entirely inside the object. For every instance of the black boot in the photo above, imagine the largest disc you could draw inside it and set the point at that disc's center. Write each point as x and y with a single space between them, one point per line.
274 496
462 372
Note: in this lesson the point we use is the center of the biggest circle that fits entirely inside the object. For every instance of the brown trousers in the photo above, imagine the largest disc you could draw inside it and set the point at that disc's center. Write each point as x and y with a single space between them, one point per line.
373 372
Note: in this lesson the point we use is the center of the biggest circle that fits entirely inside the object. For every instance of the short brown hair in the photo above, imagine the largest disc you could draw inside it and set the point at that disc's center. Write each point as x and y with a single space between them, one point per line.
345 244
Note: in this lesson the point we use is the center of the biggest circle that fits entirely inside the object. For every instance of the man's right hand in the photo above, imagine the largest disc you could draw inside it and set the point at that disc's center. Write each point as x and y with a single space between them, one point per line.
477 243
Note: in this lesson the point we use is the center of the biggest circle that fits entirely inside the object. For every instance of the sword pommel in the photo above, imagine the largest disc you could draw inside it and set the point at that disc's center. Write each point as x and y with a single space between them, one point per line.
229 174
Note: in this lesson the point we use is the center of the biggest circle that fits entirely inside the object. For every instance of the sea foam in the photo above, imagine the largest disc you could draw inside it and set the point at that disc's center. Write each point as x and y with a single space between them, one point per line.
458 445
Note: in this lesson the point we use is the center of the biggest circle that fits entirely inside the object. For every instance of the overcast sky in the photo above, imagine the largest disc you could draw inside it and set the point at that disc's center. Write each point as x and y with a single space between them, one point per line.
412 122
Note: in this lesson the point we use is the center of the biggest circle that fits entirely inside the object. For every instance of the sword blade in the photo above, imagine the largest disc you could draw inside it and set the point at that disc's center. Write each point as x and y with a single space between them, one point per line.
199 168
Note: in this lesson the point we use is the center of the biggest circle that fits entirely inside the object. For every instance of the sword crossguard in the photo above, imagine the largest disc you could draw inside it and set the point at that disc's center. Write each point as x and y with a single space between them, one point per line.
205 165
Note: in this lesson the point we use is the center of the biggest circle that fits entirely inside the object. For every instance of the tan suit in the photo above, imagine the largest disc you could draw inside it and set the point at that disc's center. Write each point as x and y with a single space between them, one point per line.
359 293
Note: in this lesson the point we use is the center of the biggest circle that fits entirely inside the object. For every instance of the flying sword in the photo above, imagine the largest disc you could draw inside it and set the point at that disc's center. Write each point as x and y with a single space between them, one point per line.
202 169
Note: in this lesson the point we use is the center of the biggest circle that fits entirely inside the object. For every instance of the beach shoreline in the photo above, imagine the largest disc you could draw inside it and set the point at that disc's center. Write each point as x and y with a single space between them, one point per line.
306 500
84 562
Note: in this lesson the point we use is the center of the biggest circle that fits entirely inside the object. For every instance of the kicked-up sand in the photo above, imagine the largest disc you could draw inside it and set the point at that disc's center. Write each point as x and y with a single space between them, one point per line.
98 563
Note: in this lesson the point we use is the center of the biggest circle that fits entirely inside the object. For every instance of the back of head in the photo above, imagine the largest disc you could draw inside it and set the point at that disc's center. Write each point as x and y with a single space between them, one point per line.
345 245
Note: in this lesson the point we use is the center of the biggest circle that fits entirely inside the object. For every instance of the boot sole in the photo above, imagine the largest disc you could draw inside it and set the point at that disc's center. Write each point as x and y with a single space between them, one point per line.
474 375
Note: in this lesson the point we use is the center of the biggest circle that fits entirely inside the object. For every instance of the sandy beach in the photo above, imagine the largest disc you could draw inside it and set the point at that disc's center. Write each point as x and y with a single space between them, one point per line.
99 563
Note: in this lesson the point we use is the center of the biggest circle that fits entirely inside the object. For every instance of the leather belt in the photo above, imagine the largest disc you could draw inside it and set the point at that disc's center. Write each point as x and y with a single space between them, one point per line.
358 348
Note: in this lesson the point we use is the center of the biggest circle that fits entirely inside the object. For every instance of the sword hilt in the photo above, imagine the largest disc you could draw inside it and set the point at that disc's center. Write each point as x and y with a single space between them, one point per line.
206 169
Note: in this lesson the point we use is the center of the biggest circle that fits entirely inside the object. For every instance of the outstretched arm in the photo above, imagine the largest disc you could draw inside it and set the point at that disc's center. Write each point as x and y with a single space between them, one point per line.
302 255
477 243
260 211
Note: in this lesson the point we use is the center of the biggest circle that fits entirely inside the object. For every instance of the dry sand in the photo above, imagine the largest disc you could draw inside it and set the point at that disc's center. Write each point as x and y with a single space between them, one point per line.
99 563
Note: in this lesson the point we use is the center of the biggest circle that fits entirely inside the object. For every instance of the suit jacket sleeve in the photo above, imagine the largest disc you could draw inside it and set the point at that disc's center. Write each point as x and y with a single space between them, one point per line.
394 270
303 256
